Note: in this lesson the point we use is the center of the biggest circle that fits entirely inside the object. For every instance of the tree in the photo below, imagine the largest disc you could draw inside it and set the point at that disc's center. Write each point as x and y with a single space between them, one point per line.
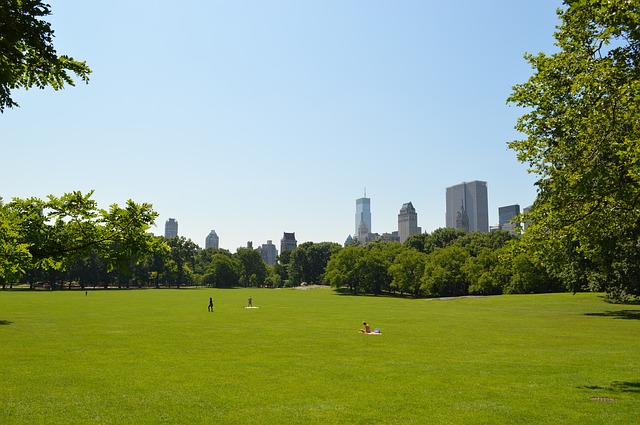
281 267
57 231
417 241
482 272
444 272
582 128
373 272
476 241
14 251
378 258
443 237
527 275
342 269
222 272
153 265
298 267
27 56
89 270
273 279
204 257
253 269
439 238
364 269
183 253
308 262
407 270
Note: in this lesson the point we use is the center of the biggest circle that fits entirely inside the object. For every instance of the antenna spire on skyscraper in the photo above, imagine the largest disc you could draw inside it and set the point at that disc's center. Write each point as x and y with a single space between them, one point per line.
365 191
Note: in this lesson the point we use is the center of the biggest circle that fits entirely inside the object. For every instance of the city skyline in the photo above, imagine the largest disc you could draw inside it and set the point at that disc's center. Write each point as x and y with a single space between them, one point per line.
278 114
408 214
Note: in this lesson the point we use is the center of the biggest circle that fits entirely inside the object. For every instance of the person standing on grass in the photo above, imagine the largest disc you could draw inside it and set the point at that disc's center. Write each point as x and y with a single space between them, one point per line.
210 304
250 302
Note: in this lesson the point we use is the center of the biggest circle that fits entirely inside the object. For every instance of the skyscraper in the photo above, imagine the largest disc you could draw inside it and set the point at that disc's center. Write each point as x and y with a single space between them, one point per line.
288 242
407 222
269 253
212 240
467 206
363 215
505 215
170 228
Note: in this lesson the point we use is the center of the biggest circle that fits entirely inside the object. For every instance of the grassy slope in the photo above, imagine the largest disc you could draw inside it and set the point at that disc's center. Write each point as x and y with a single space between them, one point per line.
157 356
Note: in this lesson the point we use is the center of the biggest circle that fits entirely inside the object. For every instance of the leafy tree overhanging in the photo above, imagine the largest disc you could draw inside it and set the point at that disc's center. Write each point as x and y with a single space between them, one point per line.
582 127
27 55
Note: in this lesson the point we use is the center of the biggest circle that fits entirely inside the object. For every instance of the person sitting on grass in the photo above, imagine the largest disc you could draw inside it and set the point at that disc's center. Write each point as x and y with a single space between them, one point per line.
367 328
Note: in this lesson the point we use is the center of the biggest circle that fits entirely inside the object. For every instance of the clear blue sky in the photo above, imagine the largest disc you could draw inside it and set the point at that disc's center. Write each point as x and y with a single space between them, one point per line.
256 118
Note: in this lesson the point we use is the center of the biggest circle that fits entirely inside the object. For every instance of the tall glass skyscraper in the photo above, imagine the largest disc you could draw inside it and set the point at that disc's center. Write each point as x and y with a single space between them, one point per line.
468 207
363 213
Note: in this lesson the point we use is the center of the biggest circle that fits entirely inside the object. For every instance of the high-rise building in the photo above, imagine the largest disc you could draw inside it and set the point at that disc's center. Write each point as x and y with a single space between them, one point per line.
171 228
288 242
212 240
269 253
363 215
505 215
467 206
407 222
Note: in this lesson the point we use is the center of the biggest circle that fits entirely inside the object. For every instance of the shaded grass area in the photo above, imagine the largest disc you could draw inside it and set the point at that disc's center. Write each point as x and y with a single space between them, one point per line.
158 356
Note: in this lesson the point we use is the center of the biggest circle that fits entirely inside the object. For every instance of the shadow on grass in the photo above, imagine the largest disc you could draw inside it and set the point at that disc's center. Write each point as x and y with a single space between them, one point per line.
5 322
348 293
635 300
617 386
620 314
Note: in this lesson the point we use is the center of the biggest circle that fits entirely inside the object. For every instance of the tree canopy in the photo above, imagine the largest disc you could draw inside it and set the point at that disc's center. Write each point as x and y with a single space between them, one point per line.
52 233
27 55
582 126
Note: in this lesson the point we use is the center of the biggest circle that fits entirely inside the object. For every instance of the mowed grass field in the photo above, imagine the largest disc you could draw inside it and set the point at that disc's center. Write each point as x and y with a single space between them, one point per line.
158 356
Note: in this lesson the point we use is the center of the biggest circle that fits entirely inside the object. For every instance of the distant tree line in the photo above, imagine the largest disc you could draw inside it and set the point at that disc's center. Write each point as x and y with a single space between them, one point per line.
68 241
447 262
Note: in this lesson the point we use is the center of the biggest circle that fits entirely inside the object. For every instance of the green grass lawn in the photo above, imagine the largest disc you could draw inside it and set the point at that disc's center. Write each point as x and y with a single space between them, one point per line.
158 356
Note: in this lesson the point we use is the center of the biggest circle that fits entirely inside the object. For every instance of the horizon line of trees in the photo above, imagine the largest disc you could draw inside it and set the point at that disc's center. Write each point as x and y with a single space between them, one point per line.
65 241
446 262
68 240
